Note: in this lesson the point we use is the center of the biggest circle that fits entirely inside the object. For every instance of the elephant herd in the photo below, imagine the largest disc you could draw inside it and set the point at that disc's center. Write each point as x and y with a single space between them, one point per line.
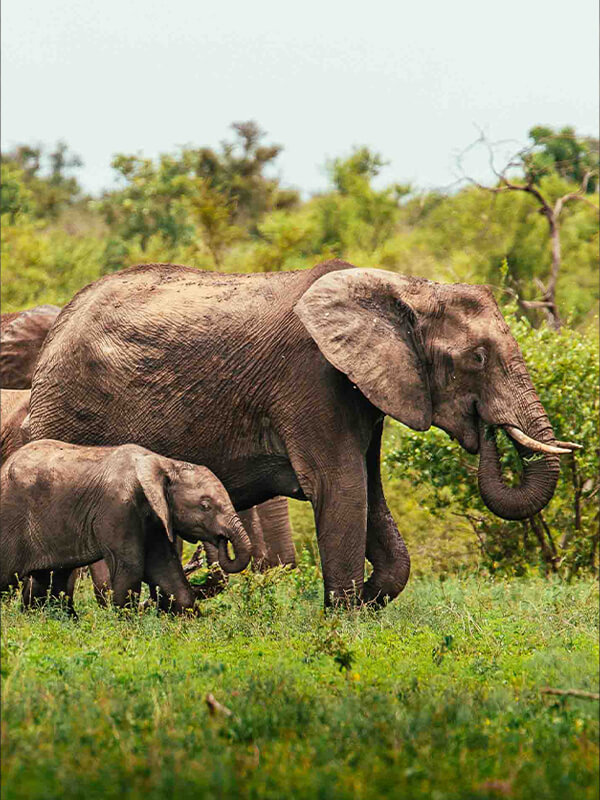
168 403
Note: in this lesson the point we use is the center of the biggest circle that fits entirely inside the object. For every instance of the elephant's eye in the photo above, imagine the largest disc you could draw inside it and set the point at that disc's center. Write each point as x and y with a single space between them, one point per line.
204 505
479 357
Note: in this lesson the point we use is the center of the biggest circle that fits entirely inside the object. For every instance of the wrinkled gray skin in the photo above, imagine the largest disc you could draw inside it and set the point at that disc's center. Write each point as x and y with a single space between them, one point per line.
268 525
65 506
14 407
279 383
22 334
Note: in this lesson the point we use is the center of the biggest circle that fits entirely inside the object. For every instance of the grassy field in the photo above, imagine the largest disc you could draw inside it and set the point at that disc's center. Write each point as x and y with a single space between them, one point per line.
437 696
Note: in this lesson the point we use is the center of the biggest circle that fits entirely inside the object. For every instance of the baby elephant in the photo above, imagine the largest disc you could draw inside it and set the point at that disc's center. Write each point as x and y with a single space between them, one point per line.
65 506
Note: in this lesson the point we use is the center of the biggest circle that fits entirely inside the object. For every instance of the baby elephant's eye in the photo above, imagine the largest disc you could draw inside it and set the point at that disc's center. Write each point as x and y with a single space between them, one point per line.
204 505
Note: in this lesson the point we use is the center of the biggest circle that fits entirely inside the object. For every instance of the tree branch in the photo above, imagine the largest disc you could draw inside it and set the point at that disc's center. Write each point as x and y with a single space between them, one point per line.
570 693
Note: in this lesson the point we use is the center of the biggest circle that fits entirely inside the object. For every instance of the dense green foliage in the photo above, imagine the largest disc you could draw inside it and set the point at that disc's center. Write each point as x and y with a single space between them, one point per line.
437 696
207 208
565 153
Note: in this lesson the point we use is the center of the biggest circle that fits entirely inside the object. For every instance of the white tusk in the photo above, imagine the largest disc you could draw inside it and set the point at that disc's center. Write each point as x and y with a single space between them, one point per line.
570 445
532 444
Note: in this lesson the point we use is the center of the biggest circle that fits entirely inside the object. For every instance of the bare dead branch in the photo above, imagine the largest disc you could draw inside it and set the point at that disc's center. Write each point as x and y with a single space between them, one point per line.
547 301
573 196
215 708
570 693
196 561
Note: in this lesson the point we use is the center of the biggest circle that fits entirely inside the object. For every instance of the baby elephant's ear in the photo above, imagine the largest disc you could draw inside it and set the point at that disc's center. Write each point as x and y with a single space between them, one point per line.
364 323
153 480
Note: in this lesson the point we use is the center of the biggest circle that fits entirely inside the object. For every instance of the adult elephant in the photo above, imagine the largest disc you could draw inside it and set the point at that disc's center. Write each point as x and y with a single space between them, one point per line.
279 383
22 334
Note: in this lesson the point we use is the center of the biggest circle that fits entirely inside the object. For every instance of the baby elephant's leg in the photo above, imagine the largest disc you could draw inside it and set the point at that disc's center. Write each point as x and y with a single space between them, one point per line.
126 582
120 534
164 574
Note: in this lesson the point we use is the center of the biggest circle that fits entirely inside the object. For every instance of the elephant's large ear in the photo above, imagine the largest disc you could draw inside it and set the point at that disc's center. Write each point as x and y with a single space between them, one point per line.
363 323
153 479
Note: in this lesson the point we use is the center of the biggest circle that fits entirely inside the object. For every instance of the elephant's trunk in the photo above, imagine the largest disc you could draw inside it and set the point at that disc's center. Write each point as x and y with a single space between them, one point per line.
241 547
540 468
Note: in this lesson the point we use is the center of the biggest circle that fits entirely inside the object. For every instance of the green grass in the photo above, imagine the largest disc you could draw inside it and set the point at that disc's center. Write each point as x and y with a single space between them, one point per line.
437 696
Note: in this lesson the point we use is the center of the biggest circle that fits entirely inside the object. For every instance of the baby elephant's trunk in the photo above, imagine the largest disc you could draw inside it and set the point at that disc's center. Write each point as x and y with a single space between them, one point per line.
241 547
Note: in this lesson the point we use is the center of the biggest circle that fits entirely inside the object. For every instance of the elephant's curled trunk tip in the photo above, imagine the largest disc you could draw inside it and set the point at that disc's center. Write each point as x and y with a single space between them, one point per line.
540 462
241 546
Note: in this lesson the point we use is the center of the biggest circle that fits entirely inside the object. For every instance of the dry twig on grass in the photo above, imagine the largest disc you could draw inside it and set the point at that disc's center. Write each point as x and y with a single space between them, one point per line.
214 707
570 693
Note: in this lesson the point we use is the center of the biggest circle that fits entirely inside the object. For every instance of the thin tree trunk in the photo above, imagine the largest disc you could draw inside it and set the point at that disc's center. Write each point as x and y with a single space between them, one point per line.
550 293
546 552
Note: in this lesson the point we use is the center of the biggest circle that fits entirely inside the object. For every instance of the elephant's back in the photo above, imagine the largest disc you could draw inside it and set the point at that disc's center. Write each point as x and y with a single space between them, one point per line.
157 352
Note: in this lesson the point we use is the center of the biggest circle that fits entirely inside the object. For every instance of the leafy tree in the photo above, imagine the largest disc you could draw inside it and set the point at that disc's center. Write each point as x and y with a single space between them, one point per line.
544 171
150 201
213 213
217 192
47 178
286 240
237 172
572 157
15 197
355 213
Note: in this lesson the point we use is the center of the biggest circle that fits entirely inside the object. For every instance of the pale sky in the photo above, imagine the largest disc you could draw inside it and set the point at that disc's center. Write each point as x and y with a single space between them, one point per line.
412 80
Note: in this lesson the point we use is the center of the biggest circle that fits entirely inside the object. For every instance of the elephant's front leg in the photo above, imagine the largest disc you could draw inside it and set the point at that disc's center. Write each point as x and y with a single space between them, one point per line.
164 573
340 506
385 546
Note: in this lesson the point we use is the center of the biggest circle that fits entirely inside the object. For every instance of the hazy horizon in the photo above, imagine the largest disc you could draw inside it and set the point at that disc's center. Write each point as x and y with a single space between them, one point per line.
413 83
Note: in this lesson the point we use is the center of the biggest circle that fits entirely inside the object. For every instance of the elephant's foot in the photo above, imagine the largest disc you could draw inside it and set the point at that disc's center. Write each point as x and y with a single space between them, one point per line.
380 589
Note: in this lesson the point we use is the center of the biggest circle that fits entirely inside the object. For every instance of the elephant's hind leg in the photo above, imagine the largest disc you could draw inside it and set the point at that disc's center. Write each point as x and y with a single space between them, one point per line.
53 586
274 519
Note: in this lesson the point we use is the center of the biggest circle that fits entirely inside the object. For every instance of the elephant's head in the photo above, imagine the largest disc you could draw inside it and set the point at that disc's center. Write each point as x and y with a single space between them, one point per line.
433 354
192 503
